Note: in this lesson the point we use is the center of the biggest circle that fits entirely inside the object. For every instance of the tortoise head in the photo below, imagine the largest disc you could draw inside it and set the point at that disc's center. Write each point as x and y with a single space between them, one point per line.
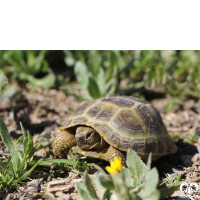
88 138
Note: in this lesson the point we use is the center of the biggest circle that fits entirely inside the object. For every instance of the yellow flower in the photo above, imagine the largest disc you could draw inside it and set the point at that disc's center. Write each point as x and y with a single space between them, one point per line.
116 166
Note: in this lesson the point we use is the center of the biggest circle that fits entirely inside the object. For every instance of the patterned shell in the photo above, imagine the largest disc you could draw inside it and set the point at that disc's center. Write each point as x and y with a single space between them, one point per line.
125 122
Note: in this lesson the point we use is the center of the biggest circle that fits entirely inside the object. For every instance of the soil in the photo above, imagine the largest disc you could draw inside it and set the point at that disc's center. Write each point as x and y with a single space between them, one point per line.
43 111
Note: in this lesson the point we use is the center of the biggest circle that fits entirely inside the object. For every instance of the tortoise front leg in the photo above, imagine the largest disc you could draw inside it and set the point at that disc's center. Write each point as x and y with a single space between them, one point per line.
63 142
106 154
111 153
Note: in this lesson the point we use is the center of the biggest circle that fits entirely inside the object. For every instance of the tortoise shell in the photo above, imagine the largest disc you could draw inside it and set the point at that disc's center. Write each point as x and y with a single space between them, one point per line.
125 122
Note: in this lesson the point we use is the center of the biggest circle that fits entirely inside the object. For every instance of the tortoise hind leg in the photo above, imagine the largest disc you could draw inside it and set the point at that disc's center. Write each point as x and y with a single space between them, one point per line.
111 153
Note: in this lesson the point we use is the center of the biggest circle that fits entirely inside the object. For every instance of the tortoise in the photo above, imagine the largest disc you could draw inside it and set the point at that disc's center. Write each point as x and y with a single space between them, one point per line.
109 126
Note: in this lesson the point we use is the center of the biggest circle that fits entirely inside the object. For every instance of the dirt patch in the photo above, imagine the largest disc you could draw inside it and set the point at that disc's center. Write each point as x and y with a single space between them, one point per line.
43 111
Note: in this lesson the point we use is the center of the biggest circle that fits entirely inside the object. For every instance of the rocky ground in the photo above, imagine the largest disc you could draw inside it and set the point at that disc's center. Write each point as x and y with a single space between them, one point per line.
43 111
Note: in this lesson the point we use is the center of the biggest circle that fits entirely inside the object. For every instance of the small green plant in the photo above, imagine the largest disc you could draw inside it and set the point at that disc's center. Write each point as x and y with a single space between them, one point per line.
172 103
137 181
74 163
3 82
105 73
25 65
97 71
80 165
191 138
102 73
172 180
13 170
5 92
175 137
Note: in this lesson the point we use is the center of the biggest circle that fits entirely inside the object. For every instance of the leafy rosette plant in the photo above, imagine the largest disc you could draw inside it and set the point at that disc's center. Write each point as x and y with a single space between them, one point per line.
137 181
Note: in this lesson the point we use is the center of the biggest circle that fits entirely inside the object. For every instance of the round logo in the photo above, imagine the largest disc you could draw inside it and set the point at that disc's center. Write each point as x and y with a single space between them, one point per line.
189 189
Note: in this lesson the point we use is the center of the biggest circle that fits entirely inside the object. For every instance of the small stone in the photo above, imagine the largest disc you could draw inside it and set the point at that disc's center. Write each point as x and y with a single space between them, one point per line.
196 158
61 185
77 180
62 195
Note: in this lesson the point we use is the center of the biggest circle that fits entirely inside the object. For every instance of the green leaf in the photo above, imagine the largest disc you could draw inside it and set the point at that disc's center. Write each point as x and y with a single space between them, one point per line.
120 187
82 73
134 196
5 135
45 82
93 89
99 169
69 59
112 83
136 167
54 161
35 63
15 158
106 181
9 92
102 192
128 178
25 142
94 61
17 61
166 192
82 191
150 192
154 195
32 150
101 81
113 60
9 160
89 186
40 62
30 143
23 130
72 156
30 59
23 165
148 163
2 177
25 175
151 179
19 140
3 81
178 179
3 166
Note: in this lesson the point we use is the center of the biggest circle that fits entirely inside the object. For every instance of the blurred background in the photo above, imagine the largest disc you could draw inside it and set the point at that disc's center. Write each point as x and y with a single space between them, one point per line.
172 74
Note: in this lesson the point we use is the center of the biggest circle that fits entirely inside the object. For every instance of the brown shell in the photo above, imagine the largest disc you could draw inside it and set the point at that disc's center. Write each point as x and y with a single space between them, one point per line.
125 122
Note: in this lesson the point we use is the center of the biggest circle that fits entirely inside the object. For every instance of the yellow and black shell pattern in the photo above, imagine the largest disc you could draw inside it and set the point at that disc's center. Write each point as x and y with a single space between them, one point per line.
125 122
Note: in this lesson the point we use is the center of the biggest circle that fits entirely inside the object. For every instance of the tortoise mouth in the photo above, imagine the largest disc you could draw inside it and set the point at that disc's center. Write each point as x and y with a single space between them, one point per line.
82 144
91 154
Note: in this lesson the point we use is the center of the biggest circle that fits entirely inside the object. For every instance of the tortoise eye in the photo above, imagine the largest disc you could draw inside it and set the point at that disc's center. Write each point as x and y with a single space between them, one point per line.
88 136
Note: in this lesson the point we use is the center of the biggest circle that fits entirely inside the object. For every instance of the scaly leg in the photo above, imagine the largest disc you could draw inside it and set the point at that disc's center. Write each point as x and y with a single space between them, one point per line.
106 154
111 153
64 141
